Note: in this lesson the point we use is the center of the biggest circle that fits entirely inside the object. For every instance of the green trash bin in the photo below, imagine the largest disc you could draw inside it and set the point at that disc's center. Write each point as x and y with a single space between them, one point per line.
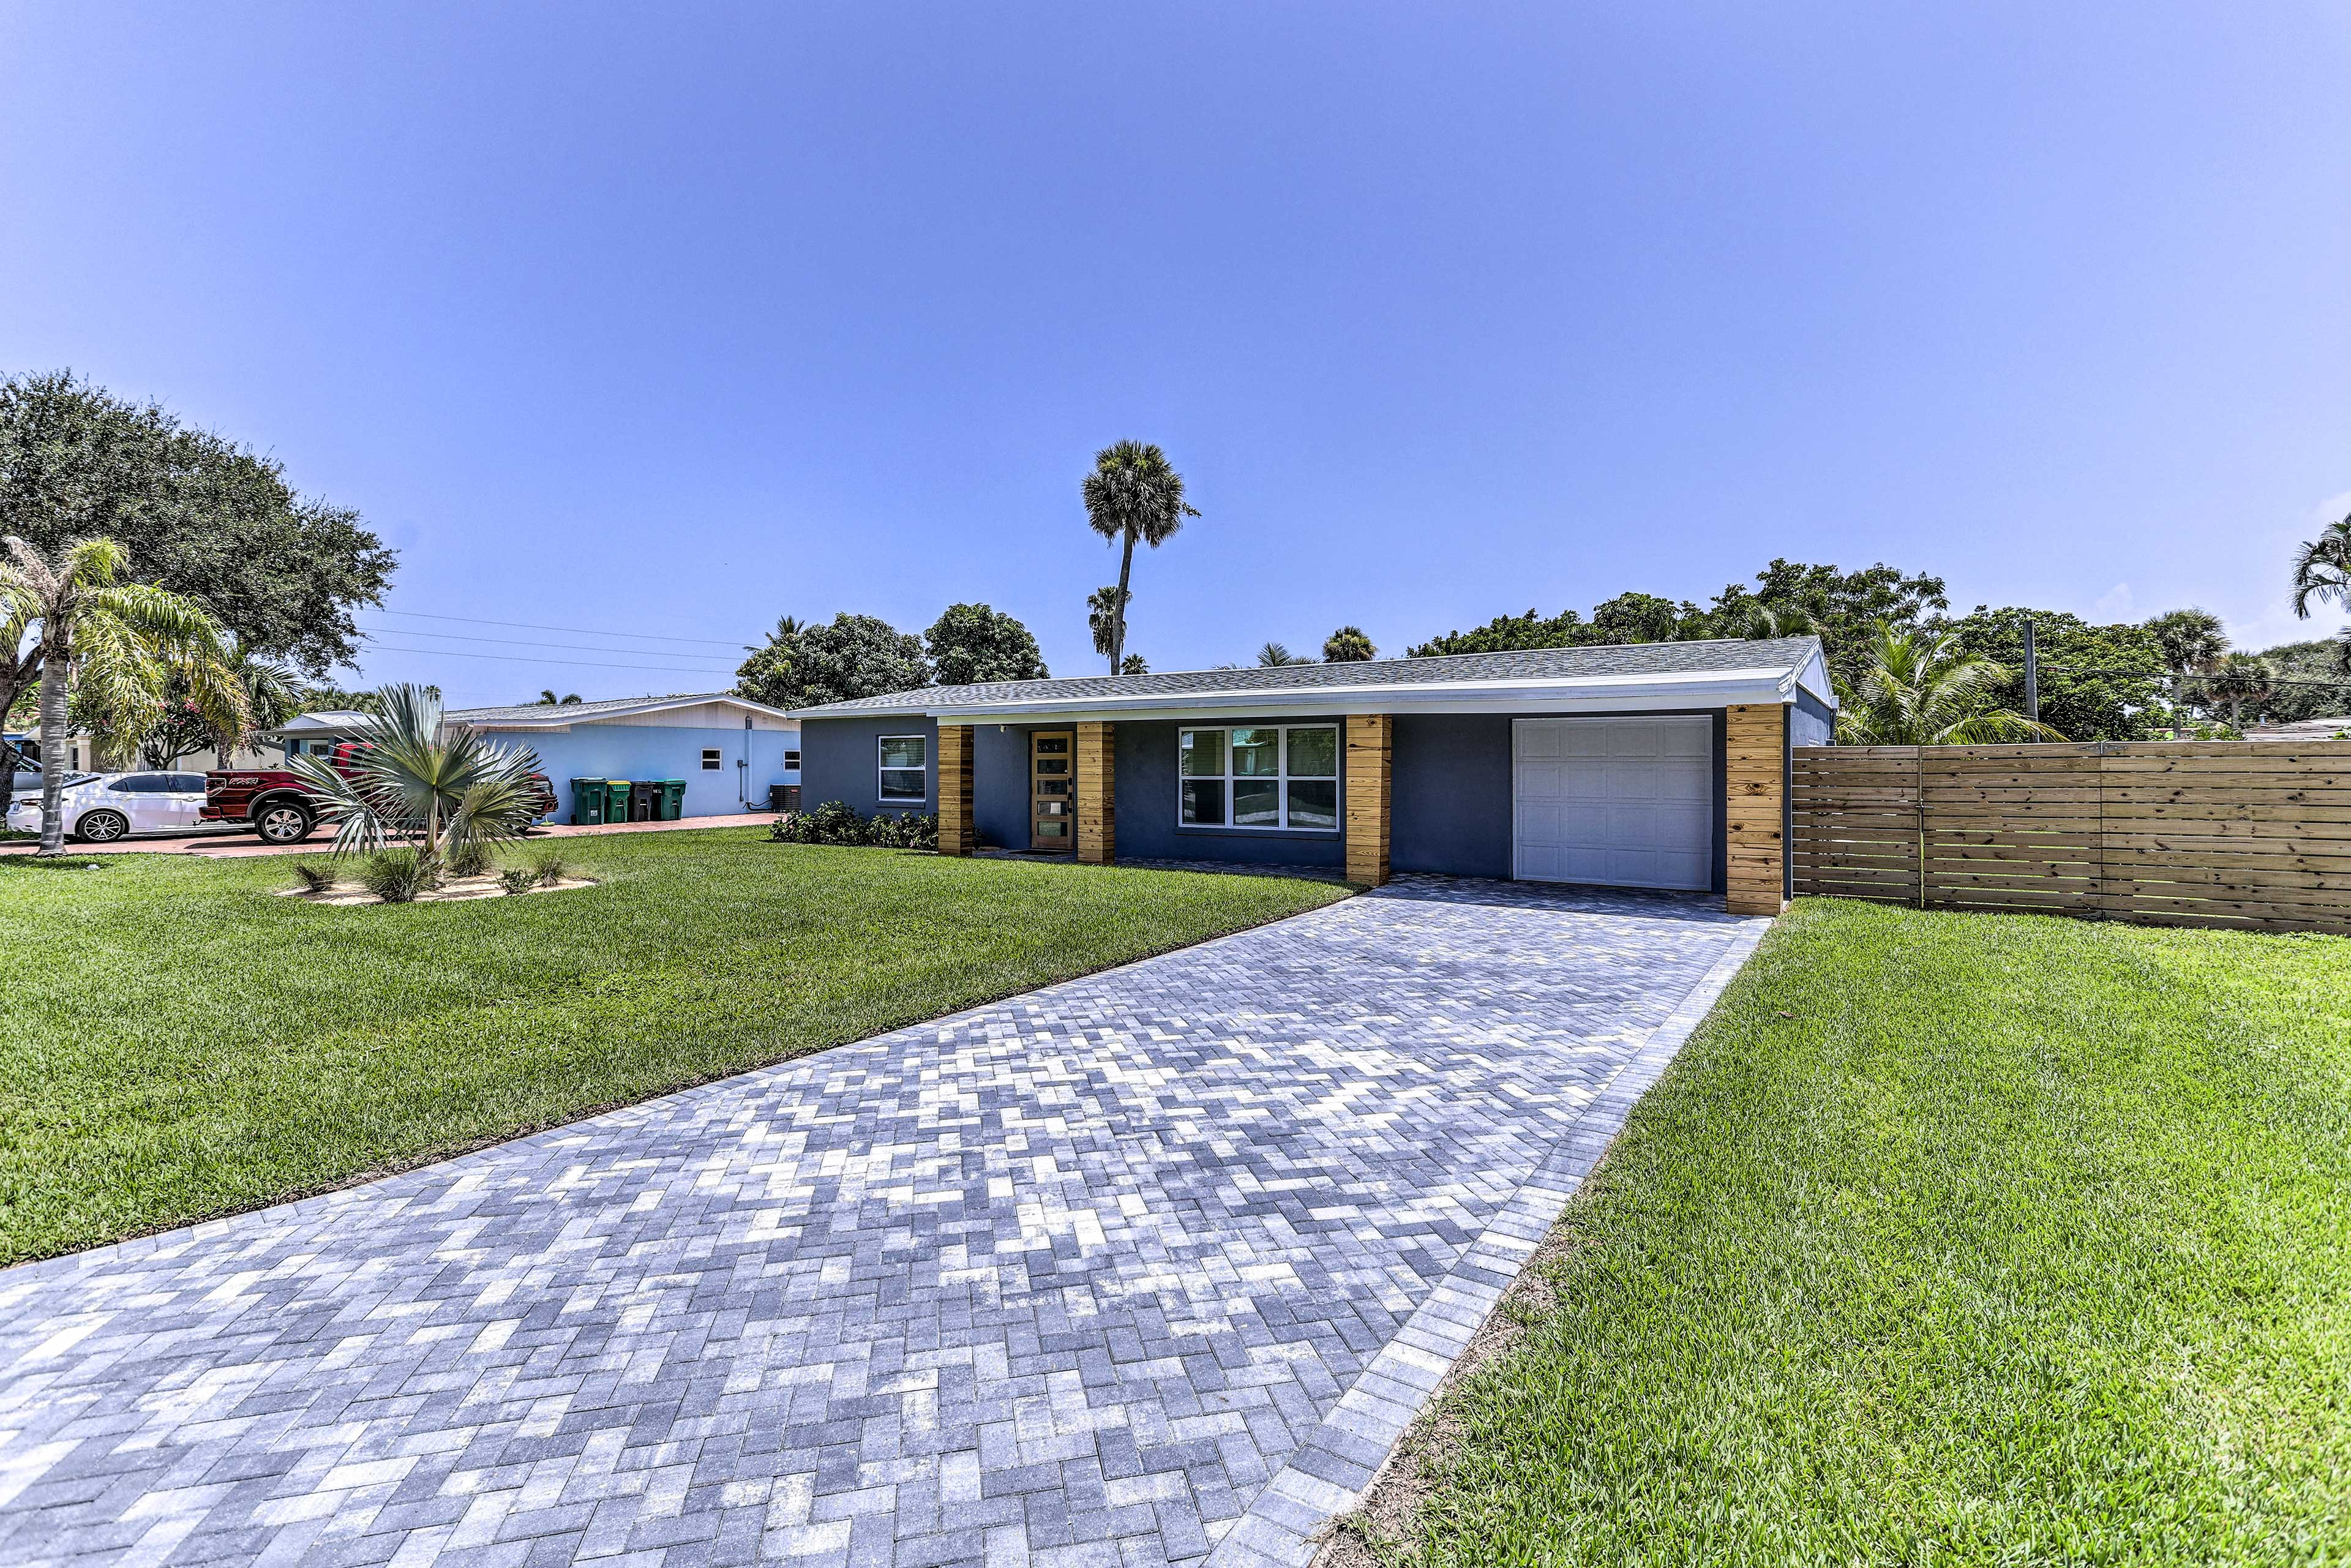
673 800
587 802
616 800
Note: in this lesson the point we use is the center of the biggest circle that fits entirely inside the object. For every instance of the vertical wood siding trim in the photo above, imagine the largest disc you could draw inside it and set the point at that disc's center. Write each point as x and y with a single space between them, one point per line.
957 832
1097 794
1371 751
1755 869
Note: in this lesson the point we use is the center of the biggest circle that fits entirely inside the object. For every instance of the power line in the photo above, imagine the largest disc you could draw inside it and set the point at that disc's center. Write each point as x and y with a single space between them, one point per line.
529 642
583 630
524 659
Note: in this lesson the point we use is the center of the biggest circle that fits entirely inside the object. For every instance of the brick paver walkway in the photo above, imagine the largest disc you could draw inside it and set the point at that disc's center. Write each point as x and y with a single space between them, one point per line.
1127 1271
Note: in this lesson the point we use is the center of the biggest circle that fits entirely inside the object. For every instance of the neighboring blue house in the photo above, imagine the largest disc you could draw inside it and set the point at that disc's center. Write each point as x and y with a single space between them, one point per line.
730 752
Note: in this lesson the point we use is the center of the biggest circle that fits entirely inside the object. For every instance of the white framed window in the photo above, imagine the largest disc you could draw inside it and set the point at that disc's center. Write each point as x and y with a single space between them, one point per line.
710 759
1261 776
905 768
792 761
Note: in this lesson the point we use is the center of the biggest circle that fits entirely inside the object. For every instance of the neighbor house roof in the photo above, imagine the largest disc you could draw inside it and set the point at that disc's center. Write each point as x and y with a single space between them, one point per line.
559 716
533 715
1618 676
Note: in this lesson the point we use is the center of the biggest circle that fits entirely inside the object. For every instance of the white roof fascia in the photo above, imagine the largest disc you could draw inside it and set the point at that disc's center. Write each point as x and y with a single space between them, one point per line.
1603 694
558 721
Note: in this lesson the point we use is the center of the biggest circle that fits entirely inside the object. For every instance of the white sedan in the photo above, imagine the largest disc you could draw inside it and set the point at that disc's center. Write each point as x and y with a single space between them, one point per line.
99 808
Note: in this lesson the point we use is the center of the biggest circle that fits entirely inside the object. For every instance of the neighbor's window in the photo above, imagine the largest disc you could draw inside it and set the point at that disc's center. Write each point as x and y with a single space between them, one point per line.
904 766
791 762
710 759
1259 776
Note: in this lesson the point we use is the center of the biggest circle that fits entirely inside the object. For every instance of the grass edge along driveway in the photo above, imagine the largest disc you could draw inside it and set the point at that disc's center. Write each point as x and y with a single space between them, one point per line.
181 1044
1949 1238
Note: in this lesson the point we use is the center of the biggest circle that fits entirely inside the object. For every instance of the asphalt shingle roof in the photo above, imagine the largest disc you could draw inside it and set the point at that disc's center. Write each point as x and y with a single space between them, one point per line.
1785 654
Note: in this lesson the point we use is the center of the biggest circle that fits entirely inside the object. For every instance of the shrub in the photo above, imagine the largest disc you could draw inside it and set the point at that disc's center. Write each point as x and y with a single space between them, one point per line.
396 876
316 878
551 869
518 878
835 823
468 858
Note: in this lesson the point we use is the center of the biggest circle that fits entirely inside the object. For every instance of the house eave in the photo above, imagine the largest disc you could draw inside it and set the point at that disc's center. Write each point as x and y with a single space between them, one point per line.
1606 694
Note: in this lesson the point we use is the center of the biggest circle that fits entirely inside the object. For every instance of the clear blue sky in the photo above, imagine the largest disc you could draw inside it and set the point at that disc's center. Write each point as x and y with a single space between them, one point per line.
674 319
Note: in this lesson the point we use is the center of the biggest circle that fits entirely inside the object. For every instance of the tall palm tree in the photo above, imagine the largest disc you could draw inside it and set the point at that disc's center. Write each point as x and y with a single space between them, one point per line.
416 777
1132 493
1102 607
2322 570
115 646
2191 643
2242 678
1918 689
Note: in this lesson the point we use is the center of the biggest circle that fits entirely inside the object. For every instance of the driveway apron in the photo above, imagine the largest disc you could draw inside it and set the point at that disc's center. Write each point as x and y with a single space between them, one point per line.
1136 1269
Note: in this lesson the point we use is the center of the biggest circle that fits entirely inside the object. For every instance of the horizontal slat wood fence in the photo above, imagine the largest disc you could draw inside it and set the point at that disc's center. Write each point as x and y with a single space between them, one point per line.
2227 834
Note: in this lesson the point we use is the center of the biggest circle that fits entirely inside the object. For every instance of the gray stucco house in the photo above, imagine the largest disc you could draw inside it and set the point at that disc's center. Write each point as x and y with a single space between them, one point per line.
1649 765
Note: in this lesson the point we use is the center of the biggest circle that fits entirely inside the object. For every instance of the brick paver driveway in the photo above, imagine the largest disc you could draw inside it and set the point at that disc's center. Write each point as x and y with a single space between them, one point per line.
1140 1268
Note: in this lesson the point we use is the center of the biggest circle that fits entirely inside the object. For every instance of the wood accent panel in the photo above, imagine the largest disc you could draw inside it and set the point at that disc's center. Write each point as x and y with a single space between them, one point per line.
1097 794
1756 865
956 834
1371 750
2239 834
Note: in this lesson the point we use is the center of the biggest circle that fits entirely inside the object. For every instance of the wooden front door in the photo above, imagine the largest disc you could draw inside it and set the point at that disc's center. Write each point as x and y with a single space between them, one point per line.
1052 790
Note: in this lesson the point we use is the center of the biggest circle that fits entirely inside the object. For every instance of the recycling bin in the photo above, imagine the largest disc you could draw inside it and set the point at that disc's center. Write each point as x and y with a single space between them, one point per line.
587 800
673 800
616 800
641 800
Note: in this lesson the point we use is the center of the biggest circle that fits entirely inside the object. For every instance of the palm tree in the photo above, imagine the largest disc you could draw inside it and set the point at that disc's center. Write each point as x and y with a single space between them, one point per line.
271 697
415 777
546 698
2191 643
1918 689
1132 493
1348 646
1134 664
1102 607
2242 678
2322 570
1764 622
116 646
1274 653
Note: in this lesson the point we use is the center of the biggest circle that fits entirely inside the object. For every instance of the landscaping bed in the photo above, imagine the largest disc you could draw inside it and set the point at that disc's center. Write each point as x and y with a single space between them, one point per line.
182 1043
1948 1239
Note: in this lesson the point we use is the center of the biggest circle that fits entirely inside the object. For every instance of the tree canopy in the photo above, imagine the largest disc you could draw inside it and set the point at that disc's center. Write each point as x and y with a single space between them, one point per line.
1348 646
848 657
194 513
1843 608
2096 683
971 643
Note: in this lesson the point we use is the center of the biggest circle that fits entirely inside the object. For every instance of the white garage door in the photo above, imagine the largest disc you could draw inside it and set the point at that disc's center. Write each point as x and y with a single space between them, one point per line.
1625 801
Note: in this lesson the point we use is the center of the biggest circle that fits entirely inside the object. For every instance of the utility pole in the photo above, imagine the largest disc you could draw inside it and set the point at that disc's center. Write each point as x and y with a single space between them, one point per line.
2031 674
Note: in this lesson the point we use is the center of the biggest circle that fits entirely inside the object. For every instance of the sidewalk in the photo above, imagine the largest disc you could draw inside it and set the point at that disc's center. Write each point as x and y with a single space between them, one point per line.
237 845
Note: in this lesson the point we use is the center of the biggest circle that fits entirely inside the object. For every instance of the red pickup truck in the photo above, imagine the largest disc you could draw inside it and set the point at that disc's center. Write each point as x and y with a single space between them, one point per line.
278 804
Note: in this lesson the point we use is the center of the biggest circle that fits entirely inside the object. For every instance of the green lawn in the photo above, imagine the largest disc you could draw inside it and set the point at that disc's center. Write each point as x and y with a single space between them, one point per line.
177 1044
1948 1239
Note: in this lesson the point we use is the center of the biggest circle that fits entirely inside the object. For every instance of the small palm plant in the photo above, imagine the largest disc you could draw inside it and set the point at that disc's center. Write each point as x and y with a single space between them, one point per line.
443 787
1920 690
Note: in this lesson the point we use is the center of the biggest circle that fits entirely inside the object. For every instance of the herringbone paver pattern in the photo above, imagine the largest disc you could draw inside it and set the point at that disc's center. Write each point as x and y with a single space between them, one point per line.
1062 1281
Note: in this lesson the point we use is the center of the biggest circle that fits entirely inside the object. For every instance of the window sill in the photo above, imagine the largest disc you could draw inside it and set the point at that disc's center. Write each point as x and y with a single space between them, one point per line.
1185 829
